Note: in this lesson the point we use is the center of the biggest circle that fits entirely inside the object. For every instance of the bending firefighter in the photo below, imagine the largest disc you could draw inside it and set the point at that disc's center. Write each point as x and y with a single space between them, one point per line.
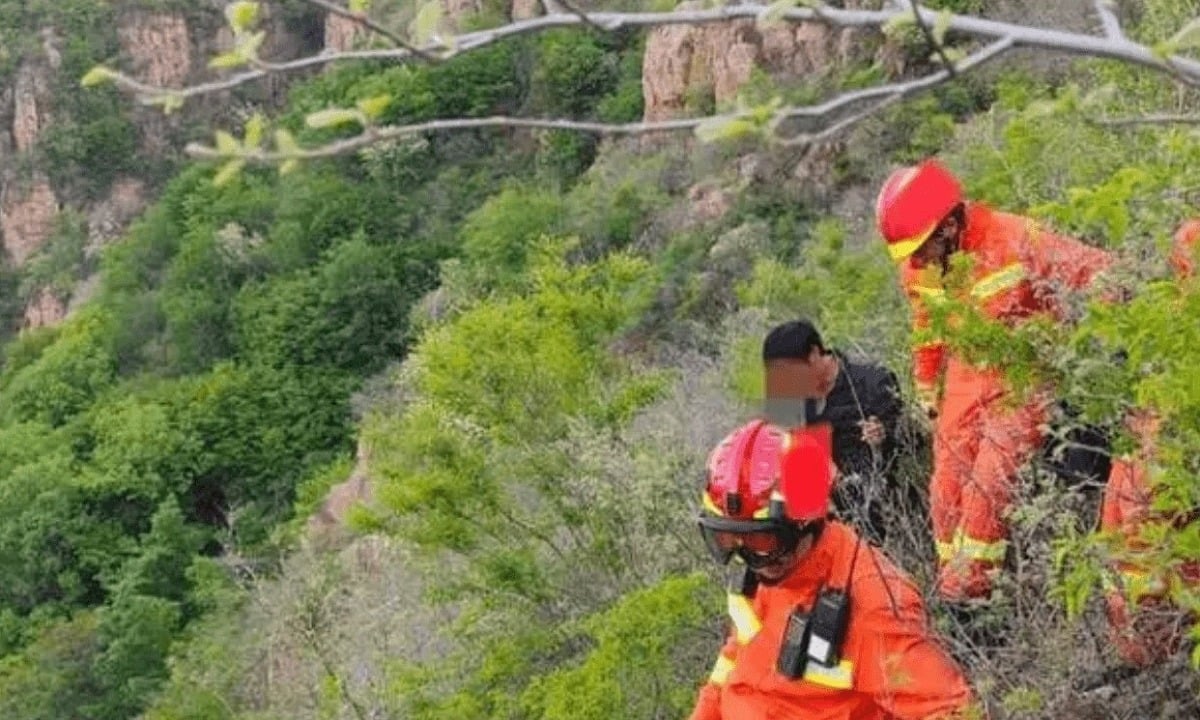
1017 271
824 626
1146 628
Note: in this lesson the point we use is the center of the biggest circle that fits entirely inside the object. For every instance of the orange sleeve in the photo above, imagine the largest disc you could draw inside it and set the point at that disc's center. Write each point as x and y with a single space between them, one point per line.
1061 259
708 703
1183 252
1111 517
904 668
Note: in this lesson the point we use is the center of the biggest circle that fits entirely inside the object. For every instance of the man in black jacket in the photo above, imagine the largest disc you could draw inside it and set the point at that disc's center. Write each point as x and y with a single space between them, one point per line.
862 403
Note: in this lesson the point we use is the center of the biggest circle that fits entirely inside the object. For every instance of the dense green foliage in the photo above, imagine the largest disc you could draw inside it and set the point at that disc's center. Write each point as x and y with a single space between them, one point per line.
533 339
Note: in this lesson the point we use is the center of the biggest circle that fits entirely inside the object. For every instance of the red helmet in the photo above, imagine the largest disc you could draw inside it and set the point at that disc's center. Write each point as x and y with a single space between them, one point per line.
911 204
766 488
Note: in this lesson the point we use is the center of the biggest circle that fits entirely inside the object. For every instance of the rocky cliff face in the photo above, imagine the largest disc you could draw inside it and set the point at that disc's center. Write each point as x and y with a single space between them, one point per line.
160 48
685 63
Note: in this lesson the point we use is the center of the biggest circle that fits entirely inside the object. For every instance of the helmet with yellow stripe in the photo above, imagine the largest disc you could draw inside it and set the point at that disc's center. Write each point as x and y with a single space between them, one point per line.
766 489
912 203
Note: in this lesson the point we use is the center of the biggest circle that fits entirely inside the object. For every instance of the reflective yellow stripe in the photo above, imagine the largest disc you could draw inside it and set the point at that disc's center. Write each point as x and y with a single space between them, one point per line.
1003 279
721 670
840 677
1140 582
710 506
745 622
901 249
979 550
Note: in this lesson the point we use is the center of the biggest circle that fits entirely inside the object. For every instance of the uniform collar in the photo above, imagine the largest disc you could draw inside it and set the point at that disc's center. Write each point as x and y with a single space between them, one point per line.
814 568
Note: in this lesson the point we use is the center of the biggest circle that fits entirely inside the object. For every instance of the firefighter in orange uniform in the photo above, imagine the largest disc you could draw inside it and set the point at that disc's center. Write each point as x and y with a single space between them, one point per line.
824 626
1183 252
1018 270
1153 629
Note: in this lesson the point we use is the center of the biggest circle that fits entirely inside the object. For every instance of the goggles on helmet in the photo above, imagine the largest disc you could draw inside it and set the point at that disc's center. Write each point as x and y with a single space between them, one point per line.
758 543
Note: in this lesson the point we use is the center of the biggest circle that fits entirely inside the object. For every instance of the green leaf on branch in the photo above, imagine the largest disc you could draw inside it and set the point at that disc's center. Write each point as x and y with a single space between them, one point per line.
717 129
898 22
952 54
170 102
1188 37
228 171
231 59
286 143
288 166
941 25
425 25
241 15
373 107
774 13
96 76
332 118
359 6
249 45
226 144
254 131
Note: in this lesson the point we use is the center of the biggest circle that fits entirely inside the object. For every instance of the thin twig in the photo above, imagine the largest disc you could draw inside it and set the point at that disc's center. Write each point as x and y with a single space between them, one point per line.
1186 69
571 7
1108 20
364 20
933 42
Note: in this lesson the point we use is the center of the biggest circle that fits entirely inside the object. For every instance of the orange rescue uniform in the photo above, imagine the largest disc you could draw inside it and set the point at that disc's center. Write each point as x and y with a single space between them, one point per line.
891 665
1150 631
1183 251
1153 629
1019 270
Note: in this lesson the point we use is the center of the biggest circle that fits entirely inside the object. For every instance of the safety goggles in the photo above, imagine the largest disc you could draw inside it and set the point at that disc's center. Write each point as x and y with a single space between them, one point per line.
758 543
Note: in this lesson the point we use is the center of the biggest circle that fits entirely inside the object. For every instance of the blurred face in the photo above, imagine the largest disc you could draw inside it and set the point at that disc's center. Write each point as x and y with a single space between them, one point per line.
811 378
775 572
940 245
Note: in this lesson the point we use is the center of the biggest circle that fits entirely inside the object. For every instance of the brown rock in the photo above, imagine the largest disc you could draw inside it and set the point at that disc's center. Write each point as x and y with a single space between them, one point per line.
27 219
107 219
708 202
457 9
341 32
29 103
158 47
668 70
681 61
525 9
45 309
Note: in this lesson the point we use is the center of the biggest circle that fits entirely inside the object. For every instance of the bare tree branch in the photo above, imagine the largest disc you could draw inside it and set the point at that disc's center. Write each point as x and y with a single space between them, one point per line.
1156 119
889 94
365 21
899 91
1109 21
1185 69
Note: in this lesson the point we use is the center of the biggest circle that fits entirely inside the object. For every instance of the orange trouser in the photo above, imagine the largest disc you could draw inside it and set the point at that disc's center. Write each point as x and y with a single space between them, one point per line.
1152 628
980 441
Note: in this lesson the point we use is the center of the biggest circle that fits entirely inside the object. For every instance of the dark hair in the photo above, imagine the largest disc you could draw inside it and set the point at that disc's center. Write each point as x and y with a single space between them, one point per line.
793 340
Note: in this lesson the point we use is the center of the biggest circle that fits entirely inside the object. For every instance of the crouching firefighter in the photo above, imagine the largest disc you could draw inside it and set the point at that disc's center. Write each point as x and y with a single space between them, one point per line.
824 626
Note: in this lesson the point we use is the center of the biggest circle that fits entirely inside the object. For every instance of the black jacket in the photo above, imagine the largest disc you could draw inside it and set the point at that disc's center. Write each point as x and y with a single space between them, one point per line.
868 492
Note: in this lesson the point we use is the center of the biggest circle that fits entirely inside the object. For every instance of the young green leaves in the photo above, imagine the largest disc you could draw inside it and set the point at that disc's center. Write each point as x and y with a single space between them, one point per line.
242 17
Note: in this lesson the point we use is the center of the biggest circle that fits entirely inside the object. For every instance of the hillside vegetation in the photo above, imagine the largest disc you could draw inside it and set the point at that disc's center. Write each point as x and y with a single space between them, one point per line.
531 341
